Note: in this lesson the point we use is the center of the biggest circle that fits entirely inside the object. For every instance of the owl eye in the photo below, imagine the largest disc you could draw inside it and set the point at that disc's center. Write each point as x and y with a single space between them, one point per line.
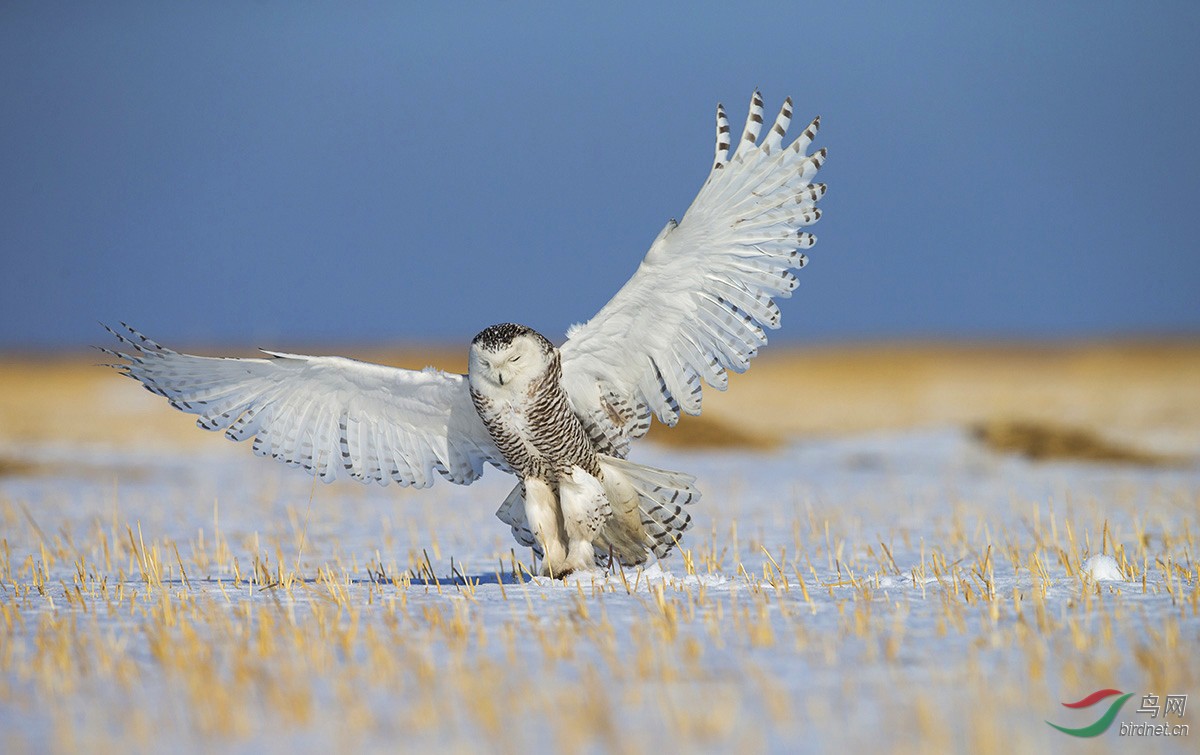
517 358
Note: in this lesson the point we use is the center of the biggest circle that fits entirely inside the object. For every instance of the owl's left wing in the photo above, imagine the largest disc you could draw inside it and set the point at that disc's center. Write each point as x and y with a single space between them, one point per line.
698 303
330 415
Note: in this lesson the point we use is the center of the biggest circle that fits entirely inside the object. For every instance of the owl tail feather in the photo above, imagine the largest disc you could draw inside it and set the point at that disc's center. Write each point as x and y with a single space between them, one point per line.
658 508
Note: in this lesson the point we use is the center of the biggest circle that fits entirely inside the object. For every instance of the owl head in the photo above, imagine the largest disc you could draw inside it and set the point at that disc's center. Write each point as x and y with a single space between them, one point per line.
508 357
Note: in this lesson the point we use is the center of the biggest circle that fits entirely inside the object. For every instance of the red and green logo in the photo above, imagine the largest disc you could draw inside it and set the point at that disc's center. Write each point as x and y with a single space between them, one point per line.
1101 724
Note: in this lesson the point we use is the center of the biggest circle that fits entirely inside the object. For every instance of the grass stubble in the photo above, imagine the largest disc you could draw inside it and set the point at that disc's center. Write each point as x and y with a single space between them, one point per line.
817 631
116 637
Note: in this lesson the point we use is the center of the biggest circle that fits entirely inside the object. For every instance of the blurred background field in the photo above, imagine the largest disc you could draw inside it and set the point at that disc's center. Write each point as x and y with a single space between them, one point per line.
1141 394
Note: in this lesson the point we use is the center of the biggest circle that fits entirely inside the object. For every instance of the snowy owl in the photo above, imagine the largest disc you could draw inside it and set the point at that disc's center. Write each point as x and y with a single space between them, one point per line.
559 419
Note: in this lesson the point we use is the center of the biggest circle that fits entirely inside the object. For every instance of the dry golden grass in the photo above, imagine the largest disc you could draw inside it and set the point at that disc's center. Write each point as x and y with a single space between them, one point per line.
1149 391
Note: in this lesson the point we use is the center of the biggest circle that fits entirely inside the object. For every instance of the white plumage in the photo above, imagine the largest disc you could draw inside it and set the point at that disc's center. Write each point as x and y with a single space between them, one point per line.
560 419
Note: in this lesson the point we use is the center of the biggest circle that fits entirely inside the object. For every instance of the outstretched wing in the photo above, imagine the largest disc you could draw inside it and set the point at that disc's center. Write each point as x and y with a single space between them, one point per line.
698 303
325 414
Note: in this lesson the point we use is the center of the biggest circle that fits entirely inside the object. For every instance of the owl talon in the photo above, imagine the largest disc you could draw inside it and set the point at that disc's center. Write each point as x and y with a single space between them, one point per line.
580 557
561 572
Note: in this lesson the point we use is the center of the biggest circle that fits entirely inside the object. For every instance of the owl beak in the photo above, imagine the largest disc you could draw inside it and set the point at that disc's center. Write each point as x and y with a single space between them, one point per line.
500 376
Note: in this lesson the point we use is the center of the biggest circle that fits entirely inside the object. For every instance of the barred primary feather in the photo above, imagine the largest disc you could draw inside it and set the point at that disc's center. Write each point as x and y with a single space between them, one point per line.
700 300
329 415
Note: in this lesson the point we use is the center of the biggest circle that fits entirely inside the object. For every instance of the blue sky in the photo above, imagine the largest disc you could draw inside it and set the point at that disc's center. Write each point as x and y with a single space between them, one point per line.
279 173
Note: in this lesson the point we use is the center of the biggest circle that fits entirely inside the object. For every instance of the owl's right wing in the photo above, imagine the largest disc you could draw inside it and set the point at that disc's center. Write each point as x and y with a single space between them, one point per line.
698 304
328 415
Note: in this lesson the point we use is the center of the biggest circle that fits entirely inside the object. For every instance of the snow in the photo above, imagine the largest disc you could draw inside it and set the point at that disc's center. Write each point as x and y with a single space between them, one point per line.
915 551
1103 568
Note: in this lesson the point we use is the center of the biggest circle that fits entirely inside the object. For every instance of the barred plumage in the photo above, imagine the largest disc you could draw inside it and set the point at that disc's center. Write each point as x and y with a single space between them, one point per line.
560 419
536 431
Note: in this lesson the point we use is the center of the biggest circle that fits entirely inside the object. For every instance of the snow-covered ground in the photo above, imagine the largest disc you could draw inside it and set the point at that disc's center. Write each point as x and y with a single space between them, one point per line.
909 591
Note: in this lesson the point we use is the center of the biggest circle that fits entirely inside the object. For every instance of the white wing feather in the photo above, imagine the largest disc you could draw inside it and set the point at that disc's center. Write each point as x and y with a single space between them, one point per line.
697 305
325 414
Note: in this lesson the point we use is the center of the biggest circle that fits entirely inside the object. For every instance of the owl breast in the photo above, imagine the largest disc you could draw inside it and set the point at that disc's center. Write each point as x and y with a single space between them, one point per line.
536 431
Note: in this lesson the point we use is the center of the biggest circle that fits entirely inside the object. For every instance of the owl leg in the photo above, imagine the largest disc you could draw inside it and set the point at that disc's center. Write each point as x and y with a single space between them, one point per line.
541 511
585 509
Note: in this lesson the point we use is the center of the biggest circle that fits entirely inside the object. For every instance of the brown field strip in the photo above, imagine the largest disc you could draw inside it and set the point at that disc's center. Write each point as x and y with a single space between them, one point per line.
1144 393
